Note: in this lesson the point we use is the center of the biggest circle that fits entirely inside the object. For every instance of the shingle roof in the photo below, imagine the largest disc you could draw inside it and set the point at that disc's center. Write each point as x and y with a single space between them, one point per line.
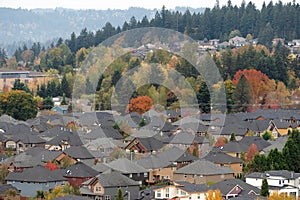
99 167
225 186
221 157
80 169
125 166
181 138
174 154
190 187
5 187
258 141
153 162
249 197
71 137
235 146
203 167
151 143
27 138
103 143
112 178
72 197
277 143
78 152
280 173
38 174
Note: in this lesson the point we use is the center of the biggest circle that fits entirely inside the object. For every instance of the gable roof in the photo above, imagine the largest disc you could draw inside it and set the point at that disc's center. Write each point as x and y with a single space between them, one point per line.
226 186
99 167
174 154
150 143
125 166
258 141
278 143
27 138
5 187
103 143
153 162
190 187
71 137
218 156
235 146
72 197
80 169
37 174
279 173
78 152
112 178
203 167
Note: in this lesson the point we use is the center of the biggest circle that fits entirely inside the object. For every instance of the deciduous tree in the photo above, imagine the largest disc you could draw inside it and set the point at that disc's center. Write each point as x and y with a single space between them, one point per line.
140 104
252 151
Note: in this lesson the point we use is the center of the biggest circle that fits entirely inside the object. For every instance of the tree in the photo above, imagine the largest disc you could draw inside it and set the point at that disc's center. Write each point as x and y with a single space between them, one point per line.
59 191
18 104
48 103
252 151
119 195
214 195
264 191
140 104
18 85
232 137
63 101
291 151
241 95
142 122
116 154
51 166
267 135
203 97
3 172
65 86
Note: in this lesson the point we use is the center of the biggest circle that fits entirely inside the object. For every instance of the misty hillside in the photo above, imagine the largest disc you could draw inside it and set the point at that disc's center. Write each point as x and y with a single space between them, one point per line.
45 24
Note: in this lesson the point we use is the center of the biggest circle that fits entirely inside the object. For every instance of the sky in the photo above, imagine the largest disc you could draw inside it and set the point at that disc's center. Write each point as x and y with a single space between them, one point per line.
122 4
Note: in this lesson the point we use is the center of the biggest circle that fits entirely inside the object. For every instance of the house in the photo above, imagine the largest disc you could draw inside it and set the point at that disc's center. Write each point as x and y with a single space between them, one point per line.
76 153
235 188
258 141
235 148
181 190
72 197
62 140
281 181
281 126
79 173
237 41
62 109
203 171
178 157
106 186
36 178
220 158
159 169
130 169
275 144
145 145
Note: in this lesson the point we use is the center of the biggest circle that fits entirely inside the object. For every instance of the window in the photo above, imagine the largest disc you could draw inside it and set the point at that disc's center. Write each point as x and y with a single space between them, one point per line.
167 192
185 176
198 197
107 197
130 175
183 192
158 194
98 189
138 174
222 176
145 174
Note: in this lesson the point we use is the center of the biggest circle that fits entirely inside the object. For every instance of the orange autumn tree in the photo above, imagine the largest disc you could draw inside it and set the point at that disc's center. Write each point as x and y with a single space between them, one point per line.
260 84
140 104
281 196
214 195
252 151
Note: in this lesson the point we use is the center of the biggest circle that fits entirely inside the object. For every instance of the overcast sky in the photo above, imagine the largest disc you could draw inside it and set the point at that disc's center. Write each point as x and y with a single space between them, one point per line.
122 4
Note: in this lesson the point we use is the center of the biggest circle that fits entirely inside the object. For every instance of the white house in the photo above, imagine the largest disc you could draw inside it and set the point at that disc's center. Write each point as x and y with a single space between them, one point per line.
281 181
182 190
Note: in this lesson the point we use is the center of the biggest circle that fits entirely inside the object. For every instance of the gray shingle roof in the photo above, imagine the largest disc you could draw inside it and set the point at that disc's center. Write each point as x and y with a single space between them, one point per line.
71 137
175 154
72 197
203 167
38 174
235 146
125 166
227 185
221 157
258 141
80 169
277 143
78 152
5 187
190 187
279 173
151 143
112 178
153 162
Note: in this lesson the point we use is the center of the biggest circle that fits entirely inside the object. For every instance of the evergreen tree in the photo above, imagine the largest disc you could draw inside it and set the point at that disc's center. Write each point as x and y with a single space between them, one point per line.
232 137
65 87
63 101
264 191
89 88
241 95
119 195
18 85
203 97
47 103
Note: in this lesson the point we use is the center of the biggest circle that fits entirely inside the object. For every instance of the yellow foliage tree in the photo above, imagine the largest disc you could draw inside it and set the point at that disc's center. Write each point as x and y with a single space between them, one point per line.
214 195
281 196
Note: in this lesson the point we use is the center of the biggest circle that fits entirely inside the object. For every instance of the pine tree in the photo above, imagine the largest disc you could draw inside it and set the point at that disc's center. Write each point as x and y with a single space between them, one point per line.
65 87
119 195
264 191
203 97
241 95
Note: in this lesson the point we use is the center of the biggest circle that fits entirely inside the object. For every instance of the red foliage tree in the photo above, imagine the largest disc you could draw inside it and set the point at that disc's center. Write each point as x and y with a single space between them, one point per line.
221 141
260 84
51 166
140 104
252 151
